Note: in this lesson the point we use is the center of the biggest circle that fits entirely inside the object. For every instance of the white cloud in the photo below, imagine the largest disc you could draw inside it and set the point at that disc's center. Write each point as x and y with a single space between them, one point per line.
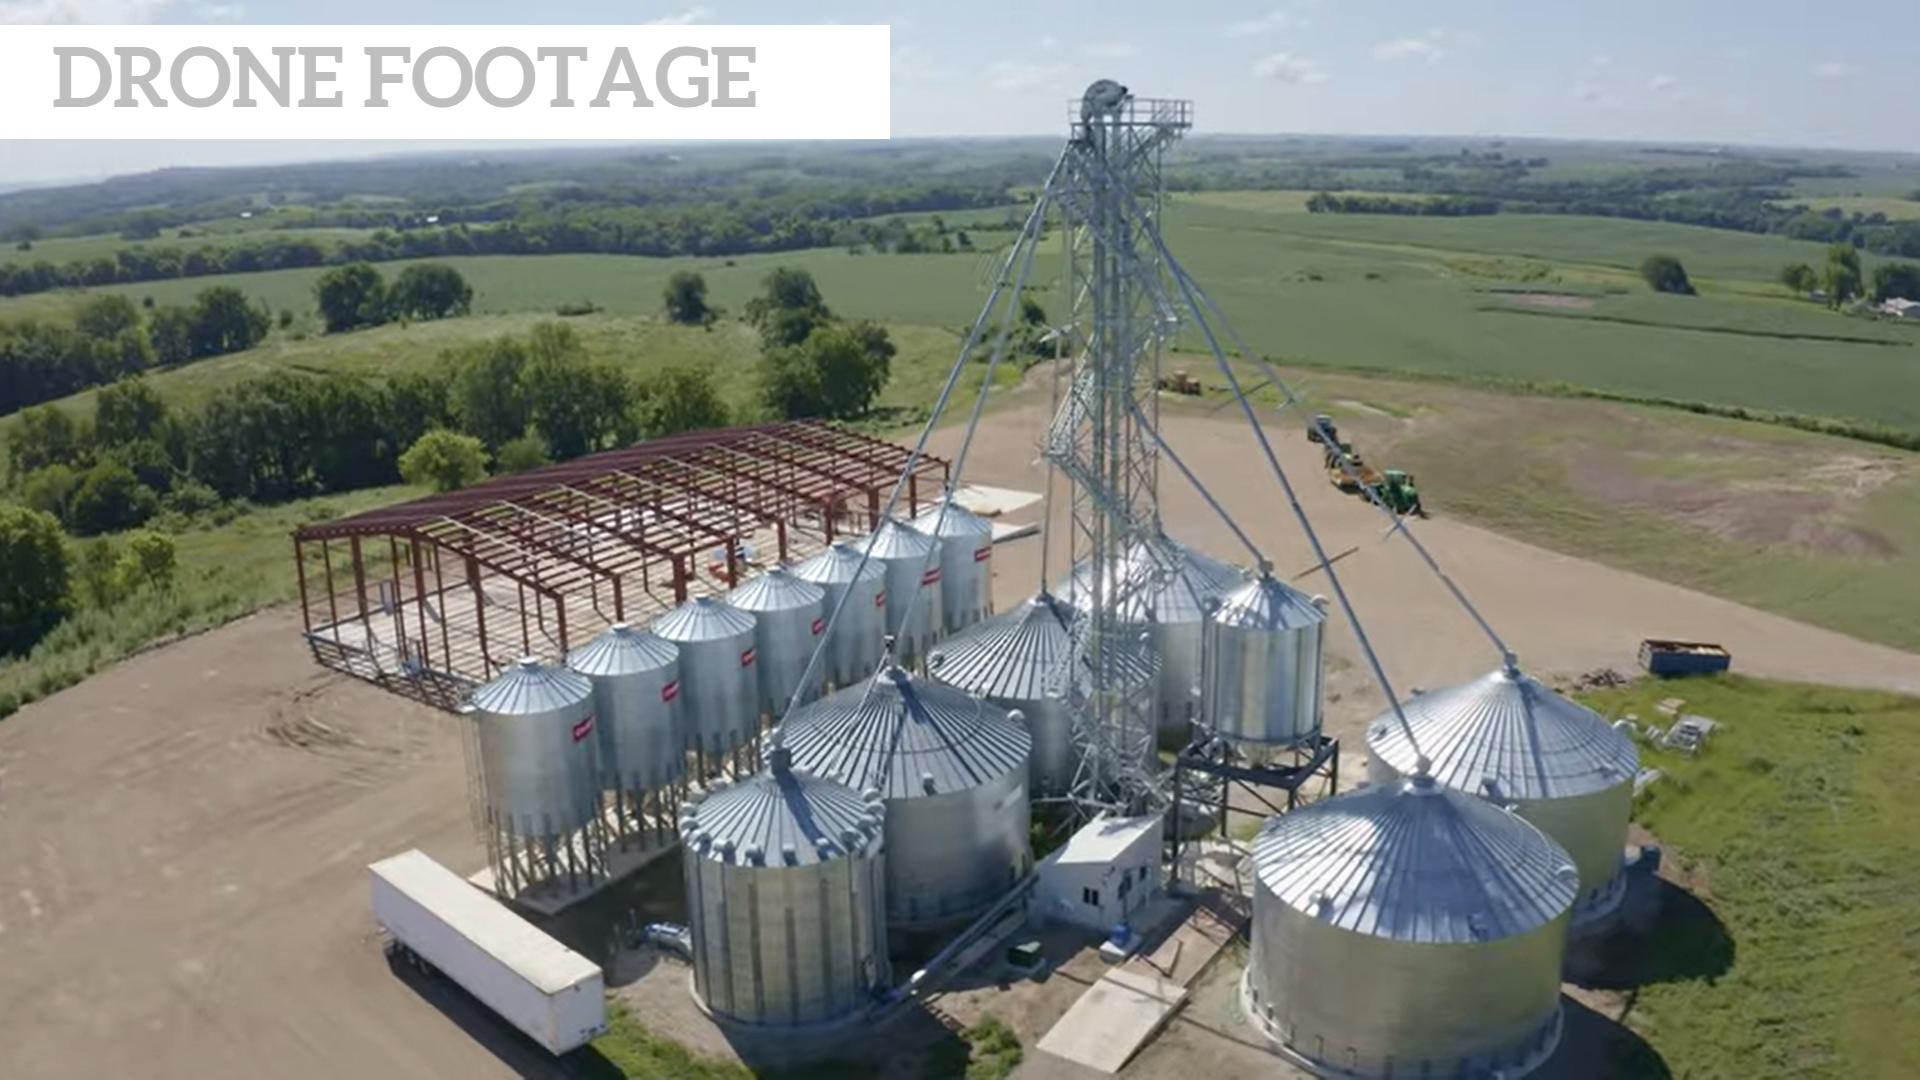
1021 74
1661 83
1110 50
1271 23
684 18
909 63
1288 68
1594 94
70 12
221 12
1599 61
1834 70
1408 48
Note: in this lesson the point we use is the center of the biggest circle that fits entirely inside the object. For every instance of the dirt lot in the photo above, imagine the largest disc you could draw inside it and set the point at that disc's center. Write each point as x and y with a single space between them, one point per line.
183 838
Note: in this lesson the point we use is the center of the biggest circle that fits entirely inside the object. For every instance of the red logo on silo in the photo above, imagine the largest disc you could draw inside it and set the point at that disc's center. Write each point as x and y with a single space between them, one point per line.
670 691
583 729
746 658
982 554
880 599
819 625
930 576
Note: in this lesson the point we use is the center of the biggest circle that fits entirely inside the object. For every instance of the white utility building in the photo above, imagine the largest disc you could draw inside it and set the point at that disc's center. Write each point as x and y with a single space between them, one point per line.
1108 871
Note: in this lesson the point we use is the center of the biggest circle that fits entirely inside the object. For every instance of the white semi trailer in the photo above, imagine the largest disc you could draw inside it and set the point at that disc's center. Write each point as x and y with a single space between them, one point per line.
553 994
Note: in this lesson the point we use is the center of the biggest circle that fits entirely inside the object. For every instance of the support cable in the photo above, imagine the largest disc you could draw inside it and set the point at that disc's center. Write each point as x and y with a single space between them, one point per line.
1191 294
1028 236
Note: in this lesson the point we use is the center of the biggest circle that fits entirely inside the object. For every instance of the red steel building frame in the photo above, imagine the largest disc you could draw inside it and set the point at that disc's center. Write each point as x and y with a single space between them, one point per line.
656 512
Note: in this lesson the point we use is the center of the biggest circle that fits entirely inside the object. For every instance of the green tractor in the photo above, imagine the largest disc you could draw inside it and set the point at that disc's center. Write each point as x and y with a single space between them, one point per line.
1396 489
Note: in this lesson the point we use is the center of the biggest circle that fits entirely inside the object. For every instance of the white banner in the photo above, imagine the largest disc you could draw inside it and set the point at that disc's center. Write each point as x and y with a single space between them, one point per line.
623 83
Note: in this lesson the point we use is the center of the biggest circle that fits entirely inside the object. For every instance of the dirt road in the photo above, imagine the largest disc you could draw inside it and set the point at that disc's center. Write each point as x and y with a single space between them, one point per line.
183 838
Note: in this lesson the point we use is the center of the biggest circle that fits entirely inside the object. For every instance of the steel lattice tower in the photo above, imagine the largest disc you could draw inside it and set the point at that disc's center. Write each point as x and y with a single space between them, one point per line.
1107 195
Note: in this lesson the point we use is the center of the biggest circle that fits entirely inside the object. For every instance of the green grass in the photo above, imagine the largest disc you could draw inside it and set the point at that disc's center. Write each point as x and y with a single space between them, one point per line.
61 250
1511 475
227 568
1795 822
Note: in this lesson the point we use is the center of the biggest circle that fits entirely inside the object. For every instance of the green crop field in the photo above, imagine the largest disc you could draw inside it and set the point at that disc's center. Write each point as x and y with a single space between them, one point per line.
1792 830
1348 290
1895 208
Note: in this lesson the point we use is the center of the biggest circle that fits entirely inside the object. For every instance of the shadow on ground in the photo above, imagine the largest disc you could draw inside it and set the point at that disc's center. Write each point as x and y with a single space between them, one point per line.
528 1059
912 1042
1594 1047
1665 935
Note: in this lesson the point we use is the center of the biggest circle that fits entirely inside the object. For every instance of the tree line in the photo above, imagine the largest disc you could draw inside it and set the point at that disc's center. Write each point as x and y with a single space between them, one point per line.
509 404
109 338
739 226
1840 279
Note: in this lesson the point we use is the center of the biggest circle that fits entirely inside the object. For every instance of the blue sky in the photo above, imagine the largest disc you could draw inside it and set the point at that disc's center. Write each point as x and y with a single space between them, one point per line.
1717 71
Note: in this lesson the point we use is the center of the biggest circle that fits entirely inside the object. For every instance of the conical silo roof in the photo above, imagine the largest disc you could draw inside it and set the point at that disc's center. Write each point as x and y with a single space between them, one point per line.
1416 862
1180 597
1013 656
906 737
781 817
840 564
1267 603
778 589
1508 728
896 540
703 618
623 650
529 688
1120 659
958 521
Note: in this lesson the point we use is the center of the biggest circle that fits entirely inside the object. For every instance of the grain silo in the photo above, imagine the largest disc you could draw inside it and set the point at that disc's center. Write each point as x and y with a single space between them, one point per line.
636 701
912 562
953 772
790 616
539 779
1169 585
718 680
1017 660
1509 738
856 638
966 563
1265 644
786 899
1409 930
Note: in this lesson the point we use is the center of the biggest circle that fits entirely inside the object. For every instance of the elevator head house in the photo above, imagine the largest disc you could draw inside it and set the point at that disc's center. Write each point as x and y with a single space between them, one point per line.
432 597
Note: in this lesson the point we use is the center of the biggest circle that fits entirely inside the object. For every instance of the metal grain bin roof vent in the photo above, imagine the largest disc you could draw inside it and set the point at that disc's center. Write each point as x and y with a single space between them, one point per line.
893 731
623 650
529 688
1013 656
808 819
703 619
1415 862
1509 728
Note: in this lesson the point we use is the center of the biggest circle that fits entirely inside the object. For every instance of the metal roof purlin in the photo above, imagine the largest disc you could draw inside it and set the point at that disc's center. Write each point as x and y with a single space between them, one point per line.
688 547
666 477
882 455
505 488
520 567
752 462
529 537
768 511
645 552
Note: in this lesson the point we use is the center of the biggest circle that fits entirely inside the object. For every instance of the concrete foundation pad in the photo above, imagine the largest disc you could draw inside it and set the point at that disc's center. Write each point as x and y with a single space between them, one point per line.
1114 1019
1003 532
991 502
